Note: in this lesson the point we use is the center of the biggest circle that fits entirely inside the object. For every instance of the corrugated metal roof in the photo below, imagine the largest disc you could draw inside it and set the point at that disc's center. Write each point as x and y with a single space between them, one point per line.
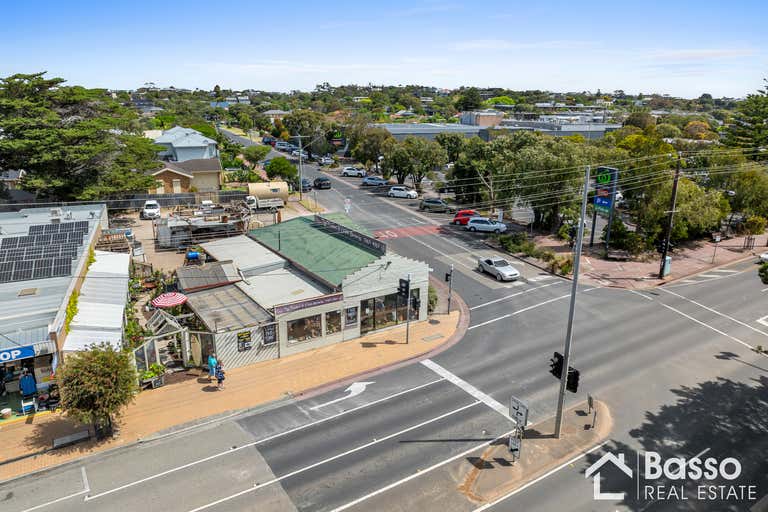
249 256
226 308
217 273
280 286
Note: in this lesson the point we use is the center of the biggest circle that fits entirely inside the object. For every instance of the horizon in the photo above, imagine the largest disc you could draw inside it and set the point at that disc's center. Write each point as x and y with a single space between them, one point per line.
683 50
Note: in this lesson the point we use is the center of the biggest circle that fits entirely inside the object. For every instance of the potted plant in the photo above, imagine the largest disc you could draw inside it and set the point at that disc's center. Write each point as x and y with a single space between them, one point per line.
154 375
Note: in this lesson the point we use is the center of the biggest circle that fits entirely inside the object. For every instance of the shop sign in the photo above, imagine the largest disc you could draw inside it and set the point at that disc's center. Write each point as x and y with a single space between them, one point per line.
308 303
270 334
244 341
352 235
12 354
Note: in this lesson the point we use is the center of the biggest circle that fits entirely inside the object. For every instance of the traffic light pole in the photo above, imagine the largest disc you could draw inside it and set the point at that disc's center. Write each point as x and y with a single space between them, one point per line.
574 289
408 311
668 234
450 290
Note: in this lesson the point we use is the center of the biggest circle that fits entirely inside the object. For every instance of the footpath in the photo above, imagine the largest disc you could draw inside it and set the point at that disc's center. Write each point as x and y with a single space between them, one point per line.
27 443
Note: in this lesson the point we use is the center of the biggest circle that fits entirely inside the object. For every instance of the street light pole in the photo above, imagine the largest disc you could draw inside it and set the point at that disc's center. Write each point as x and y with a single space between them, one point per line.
668 235
408 311
574 289
450 289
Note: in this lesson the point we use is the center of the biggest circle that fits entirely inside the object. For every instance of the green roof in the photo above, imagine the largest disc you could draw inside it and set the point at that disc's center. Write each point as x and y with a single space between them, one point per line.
325 254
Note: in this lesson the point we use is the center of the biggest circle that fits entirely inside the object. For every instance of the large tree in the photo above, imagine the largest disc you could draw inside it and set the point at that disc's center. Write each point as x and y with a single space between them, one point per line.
371 146
280 167
311 127
750 127
96 384
427 157
74 143
469 99
256 153
452 143
397 161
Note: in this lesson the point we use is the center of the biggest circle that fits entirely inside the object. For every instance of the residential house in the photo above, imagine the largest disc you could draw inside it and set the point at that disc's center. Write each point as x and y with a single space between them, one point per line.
199 175
184 144
11 178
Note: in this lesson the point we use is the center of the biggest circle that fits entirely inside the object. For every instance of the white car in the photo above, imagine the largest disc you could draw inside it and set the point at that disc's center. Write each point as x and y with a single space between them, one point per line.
404 192
353 171
764 257
485 224
281 145
296 153
325 160
499 268
151 210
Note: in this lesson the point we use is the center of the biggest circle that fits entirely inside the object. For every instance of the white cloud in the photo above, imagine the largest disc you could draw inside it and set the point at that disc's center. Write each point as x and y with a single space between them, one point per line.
504 44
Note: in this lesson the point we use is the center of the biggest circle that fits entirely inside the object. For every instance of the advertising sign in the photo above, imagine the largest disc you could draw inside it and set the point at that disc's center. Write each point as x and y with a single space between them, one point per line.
352 235
308 303
13 354
244 341
605 188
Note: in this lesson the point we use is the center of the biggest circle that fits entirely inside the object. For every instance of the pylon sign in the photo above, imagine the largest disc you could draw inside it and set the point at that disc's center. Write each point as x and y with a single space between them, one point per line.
605 188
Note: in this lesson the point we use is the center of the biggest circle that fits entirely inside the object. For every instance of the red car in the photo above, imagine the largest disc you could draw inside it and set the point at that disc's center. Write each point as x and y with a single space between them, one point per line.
463 216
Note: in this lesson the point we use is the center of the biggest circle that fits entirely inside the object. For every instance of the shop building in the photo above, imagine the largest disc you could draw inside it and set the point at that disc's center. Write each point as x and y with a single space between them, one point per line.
44 256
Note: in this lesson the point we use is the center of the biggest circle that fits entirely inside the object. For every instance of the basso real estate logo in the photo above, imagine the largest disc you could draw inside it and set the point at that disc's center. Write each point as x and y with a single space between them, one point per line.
675 478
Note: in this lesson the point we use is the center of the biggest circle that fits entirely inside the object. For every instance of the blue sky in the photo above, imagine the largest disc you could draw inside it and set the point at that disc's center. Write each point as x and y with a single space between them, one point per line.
684 48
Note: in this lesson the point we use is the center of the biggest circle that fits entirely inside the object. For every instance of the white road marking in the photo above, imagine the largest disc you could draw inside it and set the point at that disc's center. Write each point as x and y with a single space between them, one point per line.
688 281
466 386
452 258
86 489
641 294
355 389
709 275
764 290
718 331
256 443
716 312
510 296
536 480
763 320
418 473
508 315
725 271
330 459
541 278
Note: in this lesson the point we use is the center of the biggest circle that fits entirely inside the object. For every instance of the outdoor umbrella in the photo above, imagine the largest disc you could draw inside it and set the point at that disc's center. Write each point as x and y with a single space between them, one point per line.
169 300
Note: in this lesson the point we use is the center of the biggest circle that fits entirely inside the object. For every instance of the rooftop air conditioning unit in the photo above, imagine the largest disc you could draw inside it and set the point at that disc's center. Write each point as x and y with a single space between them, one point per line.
56 215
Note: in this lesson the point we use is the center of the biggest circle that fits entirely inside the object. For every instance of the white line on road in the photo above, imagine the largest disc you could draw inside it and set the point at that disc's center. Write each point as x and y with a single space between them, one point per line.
715 312
725 271
641 294
510 296
330 459
718 331
536 480
255 443
466 386
508 315
763 320
709 275
86 489
418 473
764 290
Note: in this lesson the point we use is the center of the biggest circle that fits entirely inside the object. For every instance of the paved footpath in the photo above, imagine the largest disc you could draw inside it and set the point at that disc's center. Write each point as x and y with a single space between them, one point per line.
251 386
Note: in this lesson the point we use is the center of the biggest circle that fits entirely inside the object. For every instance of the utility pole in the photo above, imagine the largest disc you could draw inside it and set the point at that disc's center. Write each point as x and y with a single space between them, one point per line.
574 289
408 311
614 179
450 288
665 248
594 228
301 174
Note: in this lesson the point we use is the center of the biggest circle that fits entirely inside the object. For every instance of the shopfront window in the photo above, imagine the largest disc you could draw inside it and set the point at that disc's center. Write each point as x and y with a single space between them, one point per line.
386 311
350 318
332 322
303 329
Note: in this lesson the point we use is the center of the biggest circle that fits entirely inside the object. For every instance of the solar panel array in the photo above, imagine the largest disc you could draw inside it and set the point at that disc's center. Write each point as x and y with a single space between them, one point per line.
46 251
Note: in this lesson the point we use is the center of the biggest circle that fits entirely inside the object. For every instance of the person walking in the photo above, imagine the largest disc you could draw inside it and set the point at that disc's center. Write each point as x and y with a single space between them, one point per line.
212 362
219 375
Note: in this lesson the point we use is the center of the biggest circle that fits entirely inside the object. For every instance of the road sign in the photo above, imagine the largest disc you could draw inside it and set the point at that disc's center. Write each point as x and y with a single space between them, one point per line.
518 411
515 444
605 188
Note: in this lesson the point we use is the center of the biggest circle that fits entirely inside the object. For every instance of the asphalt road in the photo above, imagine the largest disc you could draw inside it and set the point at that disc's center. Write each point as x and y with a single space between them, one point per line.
674 366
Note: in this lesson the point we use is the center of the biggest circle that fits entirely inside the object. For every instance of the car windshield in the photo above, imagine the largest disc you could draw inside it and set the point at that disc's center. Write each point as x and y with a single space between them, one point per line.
500 263
151 205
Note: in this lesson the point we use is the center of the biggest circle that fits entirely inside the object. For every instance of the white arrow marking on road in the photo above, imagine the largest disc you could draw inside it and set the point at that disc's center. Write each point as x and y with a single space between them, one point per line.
355 389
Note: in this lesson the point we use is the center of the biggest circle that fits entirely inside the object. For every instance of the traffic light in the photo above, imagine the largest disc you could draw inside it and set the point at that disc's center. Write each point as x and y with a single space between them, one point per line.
403 288
447 277
573 380
556 365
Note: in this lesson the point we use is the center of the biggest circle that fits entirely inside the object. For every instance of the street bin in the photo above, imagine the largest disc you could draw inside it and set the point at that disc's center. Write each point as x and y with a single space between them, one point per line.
667 265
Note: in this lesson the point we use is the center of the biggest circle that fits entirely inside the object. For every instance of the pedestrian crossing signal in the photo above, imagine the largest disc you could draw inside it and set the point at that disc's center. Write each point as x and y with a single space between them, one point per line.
556 364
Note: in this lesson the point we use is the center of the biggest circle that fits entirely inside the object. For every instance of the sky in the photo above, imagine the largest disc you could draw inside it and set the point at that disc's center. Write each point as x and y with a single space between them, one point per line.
678 47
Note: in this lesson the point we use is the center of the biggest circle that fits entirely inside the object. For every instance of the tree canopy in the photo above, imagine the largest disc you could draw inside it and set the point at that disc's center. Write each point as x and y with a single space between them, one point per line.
280 167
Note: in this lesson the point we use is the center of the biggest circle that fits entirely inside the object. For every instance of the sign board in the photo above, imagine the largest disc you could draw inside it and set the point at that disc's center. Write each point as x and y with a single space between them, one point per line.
350 318
290 307
605 188
244 341
351 235
269 334
515 443
518 411
16 353
347 205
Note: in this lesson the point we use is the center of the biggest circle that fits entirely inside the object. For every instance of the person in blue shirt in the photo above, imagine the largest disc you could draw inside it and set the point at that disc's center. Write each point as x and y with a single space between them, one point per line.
219 375
27 384
211 366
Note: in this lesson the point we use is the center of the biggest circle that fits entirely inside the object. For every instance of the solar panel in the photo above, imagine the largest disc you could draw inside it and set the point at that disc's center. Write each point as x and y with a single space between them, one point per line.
15 254
43 240
6 270
59 238
75 237
62 267
52 228
67 227
10 242
51 251
82 226
3 254
37 230
69 252
43 268
26 241
22 270
33 253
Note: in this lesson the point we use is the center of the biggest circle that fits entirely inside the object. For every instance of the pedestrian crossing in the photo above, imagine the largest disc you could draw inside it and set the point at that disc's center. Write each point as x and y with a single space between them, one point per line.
709 275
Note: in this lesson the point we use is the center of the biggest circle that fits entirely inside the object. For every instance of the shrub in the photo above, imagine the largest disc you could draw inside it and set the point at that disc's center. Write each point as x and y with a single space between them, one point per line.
755 225
548 255
763 272
431 299
566 266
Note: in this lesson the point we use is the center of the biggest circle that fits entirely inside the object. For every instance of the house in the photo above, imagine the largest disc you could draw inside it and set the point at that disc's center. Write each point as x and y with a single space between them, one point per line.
482 118
11 178
182 144
200 175
273 114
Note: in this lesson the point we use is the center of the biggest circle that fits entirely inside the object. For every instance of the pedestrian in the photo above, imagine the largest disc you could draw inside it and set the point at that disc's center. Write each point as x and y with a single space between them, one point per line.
219 375
211 366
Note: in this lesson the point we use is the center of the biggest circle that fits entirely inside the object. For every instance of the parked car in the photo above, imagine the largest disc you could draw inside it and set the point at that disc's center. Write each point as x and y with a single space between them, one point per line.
292 147
296 153
268 140
325 160
151 210
353 171
463 216
374 181
485 224
433 204
499 268
281 145
306 185
322 182
764 257
404 192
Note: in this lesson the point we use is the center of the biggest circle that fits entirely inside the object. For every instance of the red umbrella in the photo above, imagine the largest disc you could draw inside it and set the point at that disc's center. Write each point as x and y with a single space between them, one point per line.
169 300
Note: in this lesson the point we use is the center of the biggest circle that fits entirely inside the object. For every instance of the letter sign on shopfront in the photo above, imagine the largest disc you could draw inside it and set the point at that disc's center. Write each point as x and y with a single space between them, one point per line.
12 354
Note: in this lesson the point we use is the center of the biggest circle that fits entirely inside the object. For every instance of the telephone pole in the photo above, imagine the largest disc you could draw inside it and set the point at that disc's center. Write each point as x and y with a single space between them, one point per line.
668 234
574 289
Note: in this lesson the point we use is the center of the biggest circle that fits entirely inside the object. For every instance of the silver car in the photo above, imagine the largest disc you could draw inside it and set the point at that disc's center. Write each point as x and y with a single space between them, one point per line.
499 268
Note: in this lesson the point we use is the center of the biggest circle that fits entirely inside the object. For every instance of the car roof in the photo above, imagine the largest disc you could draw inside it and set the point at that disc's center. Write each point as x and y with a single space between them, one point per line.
461 212
478 218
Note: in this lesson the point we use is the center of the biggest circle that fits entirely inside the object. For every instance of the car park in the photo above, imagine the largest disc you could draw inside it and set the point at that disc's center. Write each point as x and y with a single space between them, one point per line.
402 192
151 210
499 268
306 185
463 216
353 171
374 181
433 204
486 225
322 182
